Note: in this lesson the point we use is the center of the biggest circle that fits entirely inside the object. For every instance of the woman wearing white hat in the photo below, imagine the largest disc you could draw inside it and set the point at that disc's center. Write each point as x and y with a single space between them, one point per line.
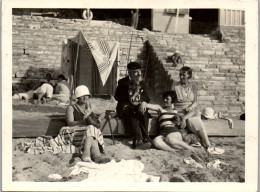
83 126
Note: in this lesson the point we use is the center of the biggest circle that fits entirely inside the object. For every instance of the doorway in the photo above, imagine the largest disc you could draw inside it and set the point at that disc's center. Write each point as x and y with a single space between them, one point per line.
204 21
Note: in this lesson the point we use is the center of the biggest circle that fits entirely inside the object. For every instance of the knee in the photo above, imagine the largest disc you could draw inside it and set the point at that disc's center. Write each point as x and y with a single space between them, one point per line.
157 141
169 139
173 138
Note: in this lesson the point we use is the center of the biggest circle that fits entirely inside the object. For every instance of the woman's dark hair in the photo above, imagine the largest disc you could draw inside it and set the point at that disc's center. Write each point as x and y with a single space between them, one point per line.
172 94
188 70
61 77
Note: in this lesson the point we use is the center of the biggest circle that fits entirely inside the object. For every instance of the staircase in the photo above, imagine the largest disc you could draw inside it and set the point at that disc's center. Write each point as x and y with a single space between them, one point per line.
217 68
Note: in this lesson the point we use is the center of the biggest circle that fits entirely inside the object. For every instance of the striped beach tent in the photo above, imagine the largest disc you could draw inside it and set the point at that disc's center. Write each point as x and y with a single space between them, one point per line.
93 63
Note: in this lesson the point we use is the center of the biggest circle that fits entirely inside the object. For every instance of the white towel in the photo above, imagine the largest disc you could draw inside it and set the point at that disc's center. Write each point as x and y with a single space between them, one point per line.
123 171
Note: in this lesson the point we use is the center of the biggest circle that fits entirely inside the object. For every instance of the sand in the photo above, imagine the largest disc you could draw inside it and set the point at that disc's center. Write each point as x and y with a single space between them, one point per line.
29 167
167 165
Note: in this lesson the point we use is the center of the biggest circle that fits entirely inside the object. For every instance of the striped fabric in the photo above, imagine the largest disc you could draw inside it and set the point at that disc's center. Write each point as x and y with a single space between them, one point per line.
69 140
104 47
104 53
166 119
167 123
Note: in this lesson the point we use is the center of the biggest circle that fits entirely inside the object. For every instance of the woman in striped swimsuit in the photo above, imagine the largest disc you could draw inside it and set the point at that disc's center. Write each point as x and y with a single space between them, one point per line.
170 137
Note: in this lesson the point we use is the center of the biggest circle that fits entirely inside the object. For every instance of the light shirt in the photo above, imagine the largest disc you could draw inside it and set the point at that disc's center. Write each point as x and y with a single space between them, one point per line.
46 89
63 88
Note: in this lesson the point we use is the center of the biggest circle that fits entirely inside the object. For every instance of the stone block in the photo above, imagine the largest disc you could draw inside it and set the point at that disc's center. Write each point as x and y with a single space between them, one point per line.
218 78
220 102
220 108
204 103
207 52
206 98
234 109
220 53
241 98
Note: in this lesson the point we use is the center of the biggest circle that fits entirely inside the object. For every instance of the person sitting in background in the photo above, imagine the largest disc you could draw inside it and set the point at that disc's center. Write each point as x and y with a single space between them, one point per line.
43 94
62 90
62 86
48 80
186 102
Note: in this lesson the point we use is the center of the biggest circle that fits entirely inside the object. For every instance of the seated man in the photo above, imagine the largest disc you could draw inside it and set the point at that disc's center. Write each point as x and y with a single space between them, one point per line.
48 80
133 115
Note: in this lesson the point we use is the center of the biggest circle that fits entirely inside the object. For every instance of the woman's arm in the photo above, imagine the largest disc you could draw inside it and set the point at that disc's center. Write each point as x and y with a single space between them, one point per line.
154 107
195 93
70 117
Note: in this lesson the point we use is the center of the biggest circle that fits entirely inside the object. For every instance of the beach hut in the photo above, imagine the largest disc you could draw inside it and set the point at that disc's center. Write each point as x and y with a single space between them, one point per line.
91 63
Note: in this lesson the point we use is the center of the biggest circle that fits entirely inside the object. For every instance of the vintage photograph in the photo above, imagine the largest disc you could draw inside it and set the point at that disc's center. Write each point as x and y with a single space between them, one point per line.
139 95
129 96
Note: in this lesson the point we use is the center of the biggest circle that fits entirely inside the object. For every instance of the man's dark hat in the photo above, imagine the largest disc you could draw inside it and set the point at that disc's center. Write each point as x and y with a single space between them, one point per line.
133 66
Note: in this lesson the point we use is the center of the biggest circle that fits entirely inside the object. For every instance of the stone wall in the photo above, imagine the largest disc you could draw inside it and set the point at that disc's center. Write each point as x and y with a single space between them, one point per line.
218 68
37 44
218 65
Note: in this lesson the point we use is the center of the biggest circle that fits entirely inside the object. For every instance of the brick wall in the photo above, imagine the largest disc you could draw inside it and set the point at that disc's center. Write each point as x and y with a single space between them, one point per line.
37 44
218 67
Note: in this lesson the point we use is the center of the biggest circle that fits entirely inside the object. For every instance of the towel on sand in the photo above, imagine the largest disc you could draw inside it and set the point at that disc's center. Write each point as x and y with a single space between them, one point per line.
123 171
69 140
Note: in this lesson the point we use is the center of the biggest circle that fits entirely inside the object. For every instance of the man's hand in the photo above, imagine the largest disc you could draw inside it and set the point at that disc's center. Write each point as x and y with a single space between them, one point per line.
142 107
101 116
188 109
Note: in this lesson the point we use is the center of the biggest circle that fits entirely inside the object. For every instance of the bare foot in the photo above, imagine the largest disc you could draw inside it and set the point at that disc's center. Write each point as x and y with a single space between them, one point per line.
86 159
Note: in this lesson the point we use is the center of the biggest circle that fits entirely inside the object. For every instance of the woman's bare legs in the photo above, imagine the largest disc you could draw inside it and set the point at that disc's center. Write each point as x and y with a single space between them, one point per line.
86 151
175 140
204 138
196 125
159 142
95 152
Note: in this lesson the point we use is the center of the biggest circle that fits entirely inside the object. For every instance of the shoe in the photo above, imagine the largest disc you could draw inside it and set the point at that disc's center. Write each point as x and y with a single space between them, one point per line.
141 145
74 161
215 151
144 146
145 140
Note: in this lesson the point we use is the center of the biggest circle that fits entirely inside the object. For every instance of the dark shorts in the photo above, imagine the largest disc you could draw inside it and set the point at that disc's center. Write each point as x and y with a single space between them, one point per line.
167 130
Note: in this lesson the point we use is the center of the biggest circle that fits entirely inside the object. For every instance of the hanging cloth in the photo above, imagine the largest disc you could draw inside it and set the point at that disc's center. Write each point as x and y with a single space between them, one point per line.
104 53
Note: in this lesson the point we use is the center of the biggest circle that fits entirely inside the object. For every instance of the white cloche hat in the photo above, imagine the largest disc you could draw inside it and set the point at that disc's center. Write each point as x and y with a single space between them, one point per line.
208 112
81 90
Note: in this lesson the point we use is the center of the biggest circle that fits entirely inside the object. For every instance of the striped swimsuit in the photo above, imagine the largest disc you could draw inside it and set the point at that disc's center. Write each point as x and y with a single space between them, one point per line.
167 124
